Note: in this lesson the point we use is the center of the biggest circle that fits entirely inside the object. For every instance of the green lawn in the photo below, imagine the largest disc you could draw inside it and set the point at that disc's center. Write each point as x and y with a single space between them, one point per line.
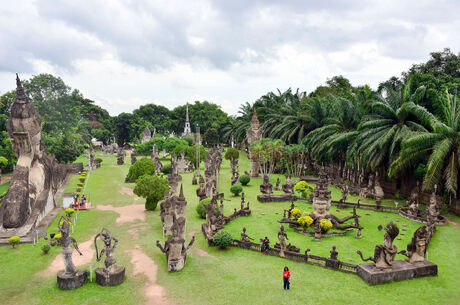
233 276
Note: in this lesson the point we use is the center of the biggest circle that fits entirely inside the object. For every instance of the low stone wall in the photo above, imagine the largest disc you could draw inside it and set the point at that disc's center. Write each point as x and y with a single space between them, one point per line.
299 257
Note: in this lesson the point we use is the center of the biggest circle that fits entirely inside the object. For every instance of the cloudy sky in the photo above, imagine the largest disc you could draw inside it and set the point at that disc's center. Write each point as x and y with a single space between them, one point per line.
123 54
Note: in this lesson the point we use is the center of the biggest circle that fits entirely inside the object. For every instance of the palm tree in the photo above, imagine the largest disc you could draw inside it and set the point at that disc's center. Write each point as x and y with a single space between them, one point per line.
339 131
441 144
388 123
293 120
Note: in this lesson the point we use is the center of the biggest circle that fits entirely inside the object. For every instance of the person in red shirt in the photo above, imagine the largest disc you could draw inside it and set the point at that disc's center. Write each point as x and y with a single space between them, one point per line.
286 277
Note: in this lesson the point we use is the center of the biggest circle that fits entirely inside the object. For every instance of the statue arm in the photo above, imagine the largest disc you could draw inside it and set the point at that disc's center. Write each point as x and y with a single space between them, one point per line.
161 247
74 242
115 244
99 257
191 242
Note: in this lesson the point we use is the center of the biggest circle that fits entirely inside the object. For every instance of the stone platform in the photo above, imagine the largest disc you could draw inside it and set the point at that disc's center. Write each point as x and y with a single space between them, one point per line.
110 279
402 270
276 198
68 282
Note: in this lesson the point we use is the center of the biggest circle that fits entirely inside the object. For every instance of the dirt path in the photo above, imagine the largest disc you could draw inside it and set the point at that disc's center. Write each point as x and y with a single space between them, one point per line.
79 260
455 224
143 264
128 213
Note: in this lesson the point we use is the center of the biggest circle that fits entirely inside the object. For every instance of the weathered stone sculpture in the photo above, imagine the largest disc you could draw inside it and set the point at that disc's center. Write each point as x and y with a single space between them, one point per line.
378 191
172 206
254 133
111 274
183 165
416 249
120 156
133 158
201 191
288 186
384 255
156 159
432 211
321 197
245 237
266 187
277 186
146 135
91 161
175 247
36 178
71 278
345 191
282 236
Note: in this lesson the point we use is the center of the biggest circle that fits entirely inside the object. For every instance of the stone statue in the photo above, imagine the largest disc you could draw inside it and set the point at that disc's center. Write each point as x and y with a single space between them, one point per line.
277 186
156 159
288 185
120 157
282 236
432 210
133 158
345 192
175 247
384 255
111 274
92 162
378 191
201 191
254 133
146 135
334 253
71 278
413 201
266 186
36 177
245 237
416 249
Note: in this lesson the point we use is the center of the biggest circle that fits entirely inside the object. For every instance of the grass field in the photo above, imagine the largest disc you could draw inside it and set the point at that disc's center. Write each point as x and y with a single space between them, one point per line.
232 276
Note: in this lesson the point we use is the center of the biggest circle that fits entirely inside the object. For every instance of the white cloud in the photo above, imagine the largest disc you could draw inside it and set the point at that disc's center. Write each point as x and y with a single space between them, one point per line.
126 53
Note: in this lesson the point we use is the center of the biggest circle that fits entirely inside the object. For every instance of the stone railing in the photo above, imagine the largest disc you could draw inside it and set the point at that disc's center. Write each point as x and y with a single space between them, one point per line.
299 257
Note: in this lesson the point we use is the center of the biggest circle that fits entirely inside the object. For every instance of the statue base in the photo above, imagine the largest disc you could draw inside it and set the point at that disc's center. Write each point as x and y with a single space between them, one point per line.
68 282
110 278
401 270
276 198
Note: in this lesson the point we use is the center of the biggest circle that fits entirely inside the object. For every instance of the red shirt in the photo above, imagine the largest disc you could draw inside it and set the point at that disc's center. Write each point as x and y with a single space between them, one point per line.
286 274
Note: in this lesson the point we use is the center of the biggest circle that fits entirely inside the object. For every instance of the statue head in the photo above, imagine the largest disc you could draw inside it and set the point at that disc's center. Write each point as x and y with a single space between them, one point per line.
392 231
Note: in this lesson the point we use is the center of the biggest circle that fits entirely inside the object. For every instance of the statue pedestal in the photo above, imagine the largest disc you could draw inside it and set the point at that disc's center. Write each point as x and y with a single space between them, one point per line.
115 277
276 198
68 282
401 270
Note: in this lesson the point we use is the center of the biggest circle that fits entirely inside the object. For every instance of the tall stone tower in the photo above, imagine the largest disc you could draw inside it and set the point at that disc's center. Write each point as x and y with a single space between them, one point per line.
254 133
187 130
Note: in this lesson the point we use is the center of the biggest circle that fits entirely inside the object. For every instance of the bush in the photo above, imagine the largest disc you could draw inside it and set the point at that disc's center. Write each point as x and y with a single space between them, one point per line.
98 160
305 221
82 179
200 208
236 189
223 239
166 169
46 248
326 225
152 188
303 188
143 166
295 212
79 189
189 140
231 153
69 212
211 137
80 184
14 240
245 179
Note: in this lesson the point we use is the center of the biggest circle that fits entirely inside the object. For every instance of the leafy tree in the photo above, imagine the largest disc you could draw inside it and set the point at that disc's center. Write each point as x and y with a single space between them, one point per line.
66 147
143 166
232 154
211 137
103 135
3 163
152 188
172 142
158 117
